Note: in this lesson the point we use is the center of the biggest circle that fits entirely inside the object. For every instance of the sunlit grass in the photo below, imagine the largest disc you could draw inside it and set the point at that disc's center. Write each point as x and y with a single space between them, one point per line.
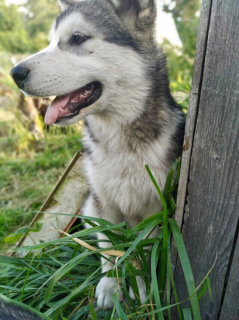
60 278
27 179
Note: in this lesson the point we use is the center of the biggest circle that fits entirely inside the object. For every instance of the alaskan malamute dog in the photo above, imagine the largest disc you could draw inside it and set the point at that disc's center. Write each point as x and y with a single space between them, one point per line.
104 66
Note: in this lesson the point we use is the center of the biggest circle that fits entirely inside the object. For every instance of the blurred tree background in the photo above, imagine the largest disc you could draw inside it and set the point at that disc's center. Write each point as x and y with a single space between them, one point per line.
25 29
185 14
31 161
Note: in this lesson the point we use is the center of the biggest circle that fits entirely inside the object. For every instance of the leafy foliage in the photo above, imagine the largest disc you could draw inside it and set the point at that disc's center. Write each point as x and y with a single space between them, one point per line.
186 17
26 30
38 22
13 36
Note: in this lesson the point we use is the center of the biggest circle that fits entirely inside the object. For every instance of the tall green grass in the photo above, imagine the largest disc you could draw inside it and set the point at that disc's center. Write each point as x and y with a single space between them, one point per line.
27 178
59 277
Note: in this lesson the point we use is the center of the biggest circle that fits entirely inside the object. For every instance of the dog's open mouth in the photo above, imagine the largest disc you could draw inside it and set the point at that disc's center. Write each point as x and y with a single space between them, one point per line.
68 106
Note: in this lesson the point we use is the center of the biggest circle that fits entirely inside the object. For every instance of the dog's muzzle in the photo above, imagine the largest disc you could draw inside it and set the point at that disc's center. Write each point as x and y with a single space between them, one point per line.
20 75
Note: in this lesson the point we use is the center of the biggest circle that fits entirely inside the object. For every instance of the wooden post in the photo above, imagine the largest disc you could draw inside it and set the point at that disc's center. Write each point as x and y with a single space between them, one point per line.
208 199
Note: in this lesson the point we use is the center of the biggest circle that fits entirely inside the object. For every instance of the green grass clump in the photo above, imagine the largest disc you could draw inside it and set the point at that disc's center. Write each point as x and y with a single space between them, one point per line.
27 177
58 278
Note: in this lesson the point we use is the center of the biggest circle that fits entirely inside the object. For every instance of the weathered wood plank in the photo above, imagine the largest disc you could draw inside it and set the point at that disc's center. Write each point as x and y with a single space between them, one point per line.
212 204
193 102
191 116
230 307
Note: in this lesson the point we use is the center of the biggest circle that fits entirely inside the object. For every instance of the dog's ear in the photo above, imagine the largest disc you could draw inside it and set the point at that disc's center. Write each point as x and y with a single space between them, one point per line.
64 4
138 15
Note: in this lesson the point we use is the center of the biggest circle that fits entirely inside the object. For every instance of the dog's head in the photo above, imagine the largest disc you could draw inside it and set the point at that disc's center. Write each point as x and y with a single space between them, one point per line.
93 61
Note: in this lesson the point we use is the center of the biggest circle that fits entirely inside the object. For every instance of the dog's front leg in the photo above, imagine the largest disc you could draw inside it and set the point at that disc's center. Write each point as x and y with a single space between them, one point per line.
140 281
107 286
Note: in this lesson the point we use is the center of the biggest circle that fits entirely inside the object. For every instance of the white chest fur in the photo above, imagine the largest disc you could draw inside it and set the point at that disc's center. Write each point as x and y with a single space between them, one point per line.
118 175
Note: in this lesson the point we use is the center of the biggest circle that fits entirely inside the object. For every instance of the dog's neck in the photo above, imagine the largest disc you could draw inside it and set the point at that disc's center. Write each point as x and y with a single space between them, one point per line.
142 108
132 130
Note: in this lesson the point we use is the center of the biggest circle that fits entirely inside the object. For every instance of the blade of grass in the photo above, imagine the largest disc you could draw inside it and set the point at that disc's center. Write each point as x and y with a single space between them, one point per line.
64 270
203 289
92 312
169 180
83 233
133 282
187 314
118 307
25 282
168 287
163 261
164 203
63 302
157 216
165 222
136 242
186 268
174 287
154 260
124 286
209 287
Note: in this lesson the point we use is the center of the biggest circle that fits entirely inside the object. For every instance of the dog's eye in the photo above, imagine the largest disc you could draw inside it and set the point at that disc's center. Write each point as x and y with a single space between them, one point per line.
78 39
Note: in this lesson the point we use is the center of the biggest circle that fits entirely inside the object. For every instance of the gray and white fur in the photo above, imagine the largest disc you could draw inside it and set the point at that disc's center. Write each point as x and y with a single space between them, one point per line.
135 121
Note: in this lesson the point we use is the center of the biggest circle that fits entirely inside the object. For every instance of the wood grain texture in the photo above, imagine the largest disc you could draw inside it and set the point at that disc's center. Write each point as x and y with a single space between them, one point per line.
191 116
230 306
193 102
212 206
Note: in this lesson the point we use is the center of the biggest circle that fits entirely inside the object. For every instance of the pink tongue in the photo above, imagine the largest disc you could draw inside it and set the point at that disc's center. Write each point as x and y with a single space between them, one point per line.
53 110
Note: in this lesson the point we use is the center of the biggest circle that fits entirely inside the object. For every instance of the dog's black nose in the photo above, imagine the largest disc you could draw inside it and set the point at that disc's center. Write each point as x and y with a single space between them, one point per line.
19 75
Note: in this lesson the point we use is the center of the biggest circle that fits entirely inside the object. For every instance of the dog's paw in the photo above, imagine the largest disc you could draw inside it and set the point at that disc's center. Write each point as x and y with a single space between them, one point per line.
104 292
142 290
